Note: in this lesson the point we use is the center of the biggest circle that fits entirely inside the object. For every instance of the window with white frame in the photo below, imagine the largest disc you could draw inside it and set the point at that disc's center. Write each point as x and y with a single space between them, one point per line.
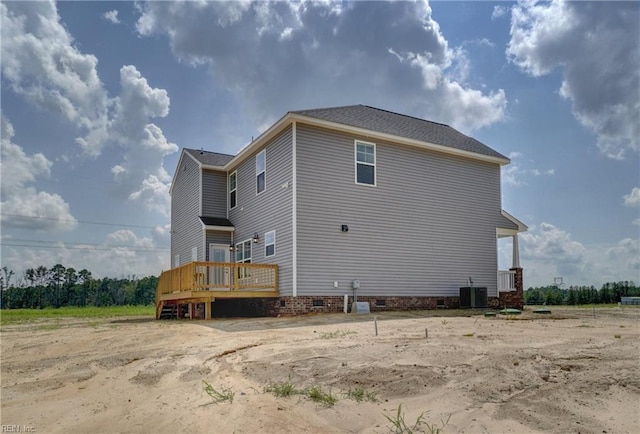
365 163
233 190
270 243
243 256
261 171
176 261
194 254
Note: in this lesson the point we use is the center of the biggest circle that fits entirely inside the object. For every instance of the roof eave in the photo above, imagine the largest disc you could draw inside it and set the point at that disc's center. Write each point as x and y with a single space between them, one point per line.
258 142
521 226
397 139
291 117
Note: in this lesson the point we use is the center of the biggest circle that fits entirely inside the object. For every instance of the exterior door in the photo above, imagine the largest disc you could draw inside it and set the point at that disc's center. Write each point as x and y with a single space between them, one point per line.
219 275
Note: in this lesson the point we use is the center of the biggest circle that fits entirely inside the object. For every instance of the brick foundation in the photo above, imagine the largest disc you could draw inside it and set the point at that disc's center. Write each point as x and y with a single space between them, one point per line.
256 307
287 306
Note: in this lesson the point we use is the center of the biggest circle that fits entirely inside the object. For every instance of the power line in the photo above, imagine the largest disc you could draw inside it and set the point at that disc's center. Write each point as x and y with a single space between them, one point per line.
24 240
88 249
88 222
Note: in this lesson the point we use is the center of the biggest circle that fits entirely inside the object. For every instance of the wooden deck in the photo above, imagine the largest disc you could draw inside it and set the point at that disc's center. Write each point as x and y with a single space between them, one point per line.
203 282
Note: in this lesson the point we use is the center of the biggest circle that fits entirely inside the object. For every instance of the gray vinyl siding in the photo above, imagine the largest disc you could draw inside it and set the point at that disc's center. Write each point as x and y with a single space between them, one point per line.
186 228
270 210
428 225
214 193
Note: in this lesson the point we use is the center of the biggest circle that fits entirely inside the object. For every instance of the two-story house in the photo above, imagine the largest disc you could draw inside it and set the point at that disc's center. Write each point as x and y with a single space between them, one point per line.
405 210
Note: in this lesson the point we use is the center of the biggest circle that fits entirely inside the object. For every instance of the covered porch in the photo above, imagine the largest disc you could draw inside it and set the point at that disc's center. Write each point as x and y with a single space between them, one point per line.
199 283
510 284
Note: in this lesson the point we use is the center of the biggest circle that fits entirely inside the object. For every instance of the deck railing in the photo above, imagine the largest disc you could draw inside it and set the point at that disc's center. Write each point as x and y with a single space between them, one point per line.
218 276
506 281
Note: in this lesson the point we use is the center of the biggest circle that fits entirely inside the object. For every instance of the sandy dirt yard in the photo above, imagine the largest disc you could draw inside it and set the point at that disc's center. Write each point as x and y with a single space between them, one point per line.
565 373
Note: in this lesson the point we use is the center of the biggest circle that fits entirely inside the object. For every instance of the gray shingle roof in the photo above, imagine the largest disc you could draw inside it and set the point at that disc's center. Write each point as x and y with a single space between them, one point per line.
409 127
215 221
209 158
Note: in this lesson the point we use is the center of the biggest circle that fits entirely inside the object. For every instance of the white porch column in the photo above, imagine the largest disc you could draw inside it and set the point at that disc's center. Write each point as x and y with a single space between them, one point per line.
516 252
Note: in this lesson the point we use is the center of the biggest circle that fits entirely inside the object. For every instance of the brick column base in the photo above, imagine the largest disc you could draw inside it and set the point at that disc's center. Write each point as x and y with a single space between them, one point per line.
513 299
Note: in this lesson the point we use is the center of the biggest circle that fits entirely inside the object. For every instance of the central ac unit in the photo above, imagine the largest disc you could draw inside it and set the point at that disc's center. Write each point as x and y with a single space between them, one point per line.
473 296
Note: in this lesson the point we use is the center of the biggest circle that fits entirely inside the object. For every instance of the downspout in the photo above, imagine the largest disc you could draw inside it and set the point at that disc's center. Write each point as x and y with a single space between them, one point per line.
294 212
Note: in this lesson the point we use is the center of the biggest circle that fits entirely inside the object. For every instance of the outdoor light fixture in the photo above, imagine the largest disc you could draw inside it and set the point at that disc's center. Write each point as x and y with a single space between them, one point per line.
231 248
256 237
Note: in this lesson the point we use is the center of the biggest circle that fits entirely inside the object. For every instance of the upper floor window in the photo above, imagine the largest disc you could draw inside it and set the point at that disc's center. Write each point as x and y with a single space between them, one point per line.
233 193
365 163
270 243
261 170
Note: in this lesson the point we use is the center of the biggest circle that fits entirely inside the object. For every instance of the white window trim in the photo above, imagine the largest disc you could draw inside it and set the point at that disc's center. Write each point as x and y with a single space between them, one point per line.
234 173
194 254
270 244
176 261
263 152
244 273
356 162
241 243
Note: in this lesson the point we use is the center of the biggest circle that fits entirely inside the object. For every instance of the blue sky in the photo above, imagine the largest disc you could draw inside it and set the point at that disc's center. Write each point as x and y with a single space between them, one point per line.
98 98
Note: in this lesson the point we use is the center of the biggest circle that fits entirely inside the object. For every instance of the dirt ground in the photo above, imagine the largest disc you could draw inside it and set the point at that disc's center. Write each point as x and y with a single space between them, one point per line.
567 372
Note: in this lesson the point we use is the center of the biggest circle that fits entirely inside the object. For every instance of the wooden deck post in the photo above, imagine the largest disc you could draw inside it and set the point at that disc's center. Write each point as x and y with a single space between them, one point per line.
207 310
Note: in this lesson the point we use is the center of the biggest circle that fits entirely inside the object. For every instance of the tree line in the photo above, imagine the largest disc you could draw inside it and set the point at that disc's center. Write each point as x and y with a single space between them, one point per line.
61 286
609 293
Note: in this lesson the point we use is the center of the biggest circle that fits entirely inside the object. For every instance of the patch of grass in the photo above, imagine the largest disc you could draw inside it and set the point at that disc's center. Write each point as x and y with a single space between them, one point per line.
317 394
399 424
445 322
617 336
54 326
468 335
17 316
222 395
283 389
337 334
360 394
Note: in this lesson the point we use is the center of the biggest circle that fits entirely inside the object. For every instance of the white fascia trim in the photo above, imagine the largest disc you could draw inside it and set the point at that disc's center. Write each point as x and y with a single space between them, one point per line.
521 226
258 143
398 139
503 233
218 228
294 212
289 118
175 174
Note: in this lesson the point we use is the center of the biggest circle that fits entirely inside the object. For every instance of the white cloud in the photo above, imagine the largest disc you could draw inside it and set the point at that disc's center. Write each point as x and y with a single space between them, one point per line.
20 197
327 53
632 199
144 145
596 45
548 251
499 11
626 251
515 174
41 63
122 253
111 16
